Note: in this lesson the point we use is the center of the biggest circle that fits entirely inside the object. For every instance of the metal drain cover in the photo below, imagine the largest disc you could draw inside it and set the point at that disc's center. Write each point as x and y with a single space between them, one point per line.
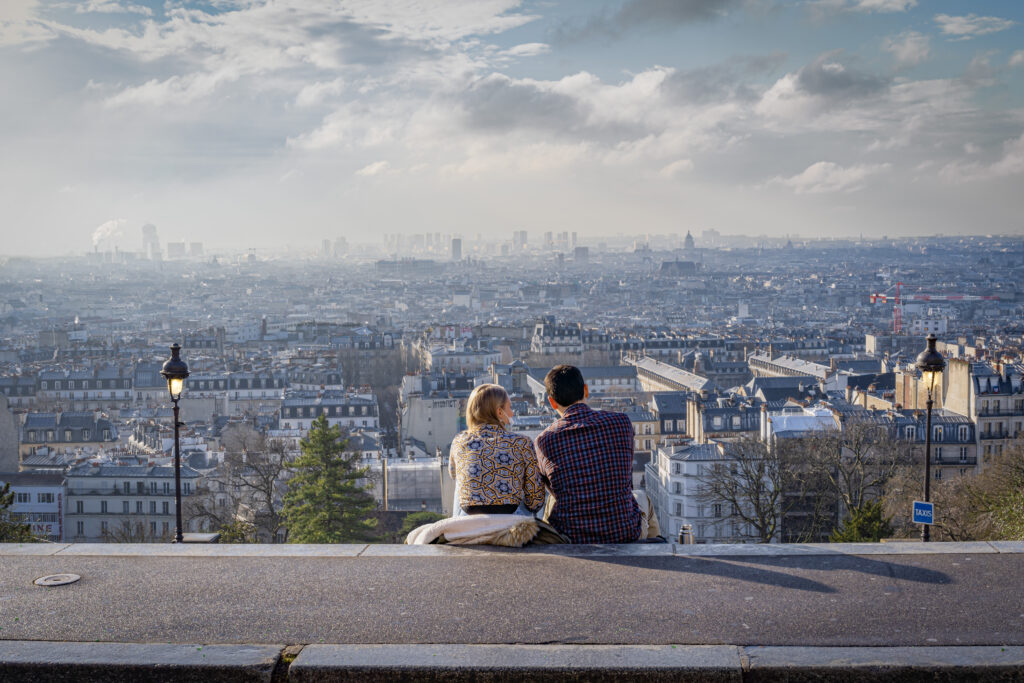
56 579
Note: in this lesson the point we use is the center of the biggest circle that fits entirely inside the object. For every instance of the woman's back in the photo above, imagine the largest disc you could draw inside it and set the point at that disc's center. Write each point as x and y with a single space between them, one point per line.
493 466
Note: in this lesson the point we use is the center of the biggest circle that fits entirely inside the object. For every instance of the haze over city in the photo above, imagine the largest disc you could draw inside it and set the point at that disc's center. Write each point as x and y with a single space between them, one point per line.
264 125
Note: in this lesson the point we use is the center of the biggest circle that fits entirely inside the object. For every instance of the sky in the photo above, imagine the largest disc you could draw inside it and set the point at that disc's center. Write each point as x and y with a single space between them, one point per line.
274 124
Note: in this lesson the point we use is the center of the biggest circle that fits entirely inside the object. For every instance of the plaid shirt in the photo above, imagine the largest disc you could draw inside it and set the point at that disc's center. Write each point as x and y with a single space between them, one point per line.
587 457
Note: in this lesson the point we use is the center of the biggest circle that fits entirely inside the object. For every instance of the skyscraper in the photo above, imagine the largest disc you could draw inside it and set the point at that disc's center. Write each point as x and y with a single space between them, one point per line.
456 249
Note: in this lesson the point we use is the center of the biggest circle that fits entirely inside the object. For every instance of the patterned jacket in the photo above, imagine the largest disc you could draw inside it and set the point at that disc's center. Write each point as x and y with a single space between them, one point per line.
587 457
493 466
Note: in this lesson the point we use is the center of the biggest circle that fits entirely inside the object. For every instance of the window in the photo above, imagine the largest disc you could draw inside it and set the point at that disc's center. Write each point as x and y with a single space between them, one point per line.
668 425
103 527
49 435
80 528
152 528
938 475
938 454
67 435
124 507
79 507
138 507
937 433
103 506
126 486
716 510
677 487
186 488
23 498
679 509
675 468
166 508
31 435
963 454
44 497
152 507
167 528
963 431
152 487
909 431
167 487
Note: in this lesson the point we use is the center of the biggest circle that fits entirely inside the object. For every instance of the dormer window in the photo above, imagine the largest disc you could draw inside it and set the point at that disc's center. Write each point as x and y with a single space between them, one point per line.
909 432
67 435
85 435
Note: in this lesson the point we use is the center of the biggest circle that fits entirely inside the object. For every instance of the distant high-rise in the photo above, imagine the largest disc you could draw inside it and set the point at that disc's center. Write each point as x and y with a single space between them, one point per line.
688 242
549 239
150 242
519 239
574 240
581 254
175 250
456 249
195 249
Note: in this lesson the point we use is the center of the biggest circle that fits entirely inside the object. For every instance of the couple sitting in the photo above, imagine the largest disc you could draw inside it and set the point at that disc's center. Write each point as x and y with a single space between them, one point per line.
584 461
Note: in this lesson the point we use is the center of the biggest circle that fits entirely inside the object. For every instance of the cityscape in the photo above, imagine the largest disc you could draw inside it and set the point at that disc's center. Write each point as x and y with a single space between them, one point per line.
704 340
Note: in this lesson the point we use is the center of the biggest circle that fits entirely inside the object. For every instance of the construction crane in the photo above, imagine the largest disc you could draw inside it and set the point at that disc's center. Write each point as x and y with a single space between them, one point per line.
899 299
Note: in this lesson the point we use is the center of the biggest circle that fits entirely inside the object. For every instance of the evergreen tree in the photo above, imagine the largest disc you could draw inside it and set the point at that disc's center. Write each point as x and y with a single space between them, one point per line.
326 500
866 524
10 530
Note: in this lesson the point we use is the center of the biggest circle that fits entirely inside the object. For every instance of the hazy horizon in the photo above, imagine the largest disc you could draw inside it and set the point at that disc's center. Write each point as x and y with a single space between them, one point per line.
247 124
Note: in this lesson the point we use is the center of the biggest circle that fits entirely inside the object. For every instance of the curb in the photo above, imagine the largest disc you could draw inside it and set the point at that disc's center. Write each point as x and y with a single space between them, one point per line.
397 550
88 662
34 660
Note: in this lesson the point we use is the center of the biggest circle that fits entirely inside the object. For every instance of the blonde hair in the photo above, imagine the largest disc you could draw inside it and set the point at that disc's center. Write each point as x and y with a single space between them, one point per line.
483 405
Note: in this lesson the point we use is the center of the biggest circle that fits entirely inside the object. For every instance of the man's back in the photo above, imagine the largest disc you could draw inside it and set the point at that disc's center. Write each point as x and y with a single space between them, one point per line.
587 457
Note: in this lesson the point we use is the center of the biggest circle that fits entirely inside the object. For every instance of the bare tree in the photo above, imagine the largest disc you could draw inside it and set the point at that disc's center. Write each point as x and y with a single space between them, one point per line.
760 484
135 531
857 461
246 487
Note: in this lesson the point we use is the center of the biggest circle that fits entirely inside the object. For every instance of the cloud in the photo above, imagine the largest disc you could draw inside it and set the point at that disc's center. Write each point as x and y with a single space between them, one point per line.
1010 163
645 14
819 6
825 177
971 25
315 93
1016 59
376 168
527 50
112 7
677 168
909 48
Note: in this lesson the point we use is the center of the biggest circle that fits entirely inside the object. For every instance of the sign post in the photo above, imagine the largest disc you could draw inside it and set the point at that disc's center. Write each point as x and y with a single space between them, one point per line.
924 513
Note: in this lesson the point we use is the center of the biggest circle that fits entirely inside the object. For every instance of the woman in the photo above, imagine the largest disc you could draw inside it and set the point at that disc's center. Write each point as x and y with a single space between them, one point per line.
494 470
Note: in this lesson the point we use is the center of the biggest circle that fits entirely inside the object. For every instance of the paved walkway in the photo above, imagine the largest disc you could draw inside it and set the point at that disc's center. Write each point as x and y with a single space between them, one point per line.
905 594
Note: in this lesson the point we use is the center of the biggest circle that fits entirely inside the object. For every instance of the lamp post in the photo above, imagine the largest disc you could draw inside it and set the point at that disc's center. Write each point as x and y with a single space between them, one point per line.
175 371
931 364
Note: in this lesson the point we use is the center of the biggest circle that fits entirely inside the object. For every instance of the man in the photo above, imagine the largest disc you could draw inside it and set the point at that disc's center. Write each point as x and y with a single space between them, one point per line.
586 459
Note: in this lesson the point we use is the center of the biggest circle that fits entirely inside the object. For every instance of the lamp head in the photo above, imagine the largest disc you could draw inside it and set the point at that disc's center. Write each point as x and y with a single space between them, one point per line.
175 371
931 363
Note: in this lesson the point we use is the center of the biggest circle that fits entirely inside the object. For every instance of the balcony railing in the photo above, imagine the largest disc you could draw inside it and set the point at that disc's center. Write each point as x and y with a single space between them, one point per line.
122 493
1001 412
998 435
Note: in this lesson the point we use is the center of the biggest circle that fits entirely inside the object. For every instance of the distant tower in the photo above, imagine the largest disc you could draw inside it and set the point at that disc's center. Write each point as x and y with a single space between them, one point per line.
456 249
688 242
150 242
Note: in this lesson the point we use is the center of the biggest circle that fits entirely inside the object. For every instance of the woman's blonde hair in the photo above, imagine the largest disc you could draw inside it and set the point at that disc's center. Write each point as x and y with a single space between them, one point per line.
483 405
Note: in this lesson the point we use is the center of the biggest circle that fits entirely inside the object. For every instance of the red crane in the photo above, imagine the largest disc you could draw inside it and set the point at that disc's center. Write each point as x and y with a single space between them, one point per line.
898 300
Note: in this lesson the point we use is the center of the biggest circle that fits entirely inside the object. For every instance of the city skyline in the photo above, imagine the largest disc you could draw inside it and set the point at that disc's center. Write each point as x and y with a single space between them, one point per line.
258 125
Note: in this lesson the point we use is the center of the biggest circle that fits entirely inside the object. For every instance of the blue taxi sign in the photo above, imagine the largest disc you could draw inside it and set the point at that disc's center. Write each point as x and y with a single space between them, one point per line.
924 513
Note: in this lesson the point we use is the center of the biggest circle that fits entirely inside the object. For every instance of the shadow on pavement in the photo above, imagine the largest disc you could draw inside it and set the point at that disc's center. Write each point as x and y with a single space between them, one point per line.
716 568
889 570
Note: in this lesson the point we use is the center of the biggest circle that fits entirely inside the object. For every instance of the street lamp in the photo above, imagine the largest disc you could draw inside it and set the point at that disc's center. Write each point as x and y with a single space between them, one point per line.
931 364
175 371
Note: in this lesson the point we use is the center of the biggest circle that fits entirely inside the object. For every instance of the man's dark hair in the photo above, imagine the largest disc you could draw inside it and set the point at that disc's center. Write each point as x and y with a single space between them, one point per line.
564 384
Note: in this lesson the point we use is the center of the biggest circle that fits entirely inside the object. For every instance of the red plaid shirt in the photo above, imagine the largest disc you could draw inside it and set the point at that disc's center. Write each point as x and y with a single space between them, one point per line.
587 457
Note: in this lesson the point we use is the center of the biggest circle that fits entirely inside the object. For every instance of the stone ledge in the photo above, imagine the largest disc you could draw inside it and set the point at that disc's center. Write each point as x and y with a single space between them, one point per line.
138 662
88 662
452 663
399 550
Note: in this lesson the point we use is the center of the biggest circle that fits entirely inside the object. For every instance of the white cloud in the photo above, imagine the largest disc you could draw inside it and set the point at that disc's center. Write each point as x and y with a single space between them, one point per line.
1016 59
883 5
910 48
1010 163
315 93
971 25
376 168
175 91
112 7
527 50
825 177
677 168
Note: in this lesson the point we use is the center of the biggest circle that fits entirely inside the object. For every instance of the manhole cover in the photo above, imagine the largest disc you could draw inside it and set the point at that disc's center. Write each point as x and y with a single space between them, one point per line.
56 579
